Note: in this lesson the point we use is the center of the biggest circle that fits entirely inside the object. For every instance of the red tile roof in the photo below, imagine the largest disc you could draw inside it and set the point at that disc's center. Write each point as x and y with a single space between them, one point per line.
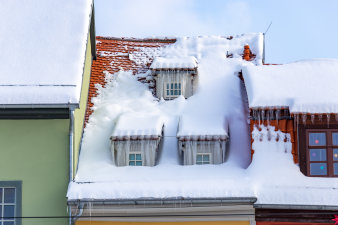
115 54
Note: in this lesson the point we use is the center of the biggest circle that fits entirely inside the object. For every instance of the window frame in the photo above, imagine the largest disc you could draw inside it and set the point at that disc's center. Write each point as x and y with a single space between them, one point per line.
18 200
166 90
329 150
135 153
202 153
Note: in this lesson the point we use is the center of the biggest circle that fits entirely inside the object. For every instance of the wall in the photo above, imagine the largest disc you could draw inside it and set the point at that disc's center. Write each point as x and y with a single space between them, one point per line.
36 152
79 114
164 223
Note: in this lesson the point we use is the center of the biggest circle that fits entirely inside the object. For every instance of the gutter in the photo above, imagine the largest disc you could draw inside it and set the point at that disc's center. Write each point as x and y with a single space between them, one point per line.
71 149
38 106
285 206
163 201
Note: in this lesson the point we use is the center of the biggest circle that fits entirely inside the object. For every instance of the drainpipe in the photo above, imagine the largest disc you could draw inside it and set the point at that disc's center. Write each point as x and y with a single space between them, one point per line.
71 149
80 206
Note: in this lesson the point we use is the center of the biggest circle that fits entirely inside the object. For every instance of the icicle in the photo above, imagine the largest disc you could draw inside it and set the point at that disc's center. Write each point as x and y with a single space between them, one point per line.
320 116
277 115
297 118
268 117
328 119
336 116
304 117
259 118
263 114
312 118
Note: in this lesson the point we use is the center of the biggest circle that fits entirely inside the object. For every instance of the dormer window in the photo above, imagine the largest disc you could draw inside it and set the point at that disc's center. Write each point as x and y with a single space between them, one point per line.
136 140
175 77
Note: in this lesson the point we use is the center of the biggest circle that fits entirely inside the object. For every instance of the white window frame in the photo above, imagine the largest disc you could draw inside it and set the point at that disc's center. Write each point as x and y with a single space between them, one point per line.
202 162
16 185
135 153
168 90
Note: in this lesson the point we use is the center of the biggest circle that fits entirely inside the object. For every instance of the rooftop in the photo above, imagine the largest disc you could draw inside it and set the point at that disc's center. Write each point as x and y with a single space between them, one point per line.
43 51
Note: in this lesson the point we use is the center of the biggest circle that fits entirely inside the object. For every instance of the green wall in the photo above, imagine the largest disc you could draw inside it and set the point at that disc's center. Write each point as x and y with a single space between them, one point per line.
79 114
36 152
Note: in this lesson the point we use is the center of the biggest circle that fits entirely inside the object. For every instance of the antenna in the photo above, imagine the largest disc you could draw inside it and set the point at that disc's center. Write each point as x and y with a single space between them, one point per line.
267 28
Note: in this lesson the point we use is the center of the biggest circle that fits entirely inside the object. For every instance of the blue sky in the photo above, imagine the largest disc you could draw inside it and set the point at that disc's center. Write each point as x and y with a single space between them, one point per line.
301 29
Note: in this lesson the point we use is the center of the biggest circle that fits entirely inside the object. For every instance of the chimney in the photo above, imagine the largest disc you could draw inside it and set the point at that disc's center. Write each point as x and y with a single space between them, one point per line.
247 53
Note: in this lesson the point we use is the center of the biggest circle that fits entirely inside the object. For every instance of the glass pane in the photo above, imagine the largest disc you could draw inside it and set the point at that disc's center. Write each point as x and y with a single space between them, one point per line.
138 163
335 168
131 163
318 169
9 211
175 93
179 85
199 158
317 154
335 138
0 210
175 85
138 157
0 195
8 223
335 154
167 86
131 156
317 139
9 195
167 92
172 86
179 92
205 157
171 92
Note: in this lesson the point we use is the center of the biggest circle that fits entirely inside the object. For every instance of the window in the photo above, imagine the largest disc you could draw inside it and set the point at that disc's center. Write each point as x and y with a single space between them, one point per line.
10 200
173 90
203 158
135 159
322 152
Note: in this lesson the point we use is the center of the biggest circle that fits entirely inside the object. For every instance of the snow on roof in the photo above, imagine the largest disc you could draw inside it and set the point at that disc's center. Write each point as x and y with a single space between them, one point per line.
130 124
218 102
192 125
43 46
188 62
303 86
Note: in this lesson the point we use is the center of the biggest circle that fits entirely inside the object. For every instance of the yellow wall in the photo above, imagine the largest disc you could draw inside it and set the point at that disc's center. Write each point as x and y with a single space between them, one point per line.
79 114
164 223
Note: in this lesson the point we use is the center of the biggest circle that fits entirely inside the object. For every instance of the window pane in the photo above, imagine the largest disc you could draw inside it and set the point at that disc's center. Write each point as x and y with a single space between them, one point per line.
172 86
175 85
335 138
131 156
8 223
9 195
335 154
317 154
9 211
199 158
167 86
318 169
167 92
138 163
179 92
335 168
0 195
138 157
205 157
0 210
179 85
131 163
317 139
175 93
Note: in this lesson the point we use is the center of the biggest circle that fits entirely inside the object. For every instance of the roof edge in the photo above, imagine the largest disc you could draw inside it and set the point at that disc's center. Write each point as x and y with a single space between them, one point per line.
135 201
288 206
164 39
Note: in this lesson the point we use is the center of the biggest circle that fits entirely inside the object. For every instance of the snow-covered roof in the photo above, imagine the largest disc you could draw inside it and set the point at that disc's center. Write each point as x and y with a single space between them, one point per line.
142 126
216 106
304 86
43 46
202 127
189 62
